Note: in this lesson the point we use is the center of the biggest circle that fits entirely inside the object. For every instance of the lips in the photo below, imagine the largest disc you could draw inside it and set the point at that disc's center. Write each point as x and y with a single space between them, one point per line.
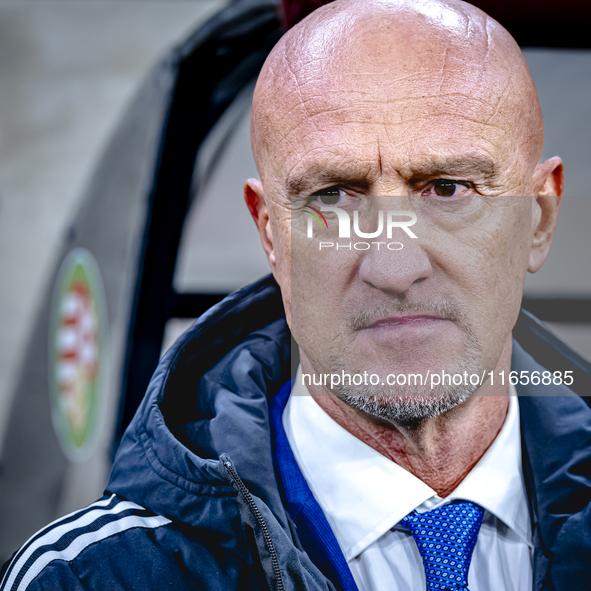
402 320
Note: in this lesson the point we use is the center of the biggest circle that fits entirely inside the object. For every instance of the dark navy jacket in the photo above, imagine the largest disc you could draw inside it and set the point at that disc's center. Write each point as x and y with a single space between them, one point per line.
205 493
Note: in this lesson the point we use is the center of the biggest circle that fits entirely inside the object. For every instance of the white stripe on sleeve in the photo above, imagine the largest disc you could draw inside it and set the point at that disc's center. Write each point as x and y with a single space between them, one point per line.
85 540
53 535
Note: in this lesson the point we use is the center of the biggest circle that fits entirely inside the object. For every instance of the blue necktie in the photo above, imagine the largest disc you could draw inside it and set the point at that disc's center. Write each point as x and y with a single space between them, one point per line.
446 538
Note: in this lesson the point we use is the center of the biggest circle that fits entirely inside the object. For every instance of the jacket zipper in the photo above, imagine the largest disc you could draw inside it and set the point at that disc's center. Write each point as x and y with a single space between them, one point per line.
255 510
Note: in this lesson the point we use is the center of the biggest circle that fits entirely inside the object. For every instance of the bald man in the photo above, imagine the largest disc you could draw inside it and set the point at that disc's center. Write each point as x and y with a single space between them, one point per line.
401 203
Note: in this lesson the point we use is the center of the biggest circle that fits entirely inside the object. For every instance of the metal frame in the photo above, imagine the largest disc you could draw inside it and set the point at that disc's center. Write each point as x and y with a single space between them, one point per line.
237 41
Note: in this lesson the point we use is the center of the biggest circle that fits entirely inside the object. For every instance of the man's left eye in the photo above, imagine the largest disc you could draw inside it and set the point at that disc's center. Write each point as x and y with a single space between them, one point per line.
446 188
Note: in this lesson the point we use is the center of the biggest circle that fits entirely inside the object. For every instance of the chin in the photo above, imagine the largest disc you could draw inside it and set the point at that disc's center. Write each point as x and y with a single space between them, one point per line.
416 394
407 411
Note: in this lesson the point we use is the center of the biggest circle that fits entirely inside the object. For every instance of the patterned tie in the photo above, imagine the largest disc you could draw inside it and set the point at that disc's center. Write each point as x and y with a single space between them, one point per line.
446 538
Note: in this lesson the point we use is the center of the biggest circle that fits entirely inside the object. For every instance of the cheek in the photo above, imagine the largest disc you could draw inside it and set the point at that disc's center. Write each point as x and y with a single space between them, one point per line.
507 247
492 252
320 280
310 296
489 262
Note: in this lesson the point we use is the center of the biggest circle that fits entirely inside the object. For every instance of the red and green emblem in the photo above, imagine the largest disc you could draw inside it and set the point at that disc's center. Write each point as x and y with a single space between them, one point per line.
76 354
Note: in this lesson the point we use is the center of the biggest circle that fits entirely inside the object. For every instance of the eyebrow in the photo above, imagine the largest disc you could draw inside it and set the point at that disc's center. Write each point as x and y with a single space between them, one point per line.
326 175
449 166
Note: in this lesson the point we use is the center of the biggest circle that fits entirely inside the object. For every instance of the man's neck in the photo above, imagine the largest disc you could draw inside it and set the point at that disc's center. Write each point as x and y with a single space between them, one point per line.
441 450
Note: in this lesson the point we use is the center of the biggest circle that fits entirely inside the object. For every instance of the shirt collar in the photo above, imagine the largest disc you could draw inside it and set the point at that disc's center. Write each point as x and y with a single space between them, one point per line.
363 494
496 481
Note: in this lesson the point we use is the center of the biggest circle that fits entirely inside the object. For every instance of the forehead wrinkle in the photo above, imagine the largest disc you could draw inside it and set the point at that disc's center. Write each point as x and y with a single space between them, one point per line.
301 183
336 99
438 155
462 165
295 83
382 114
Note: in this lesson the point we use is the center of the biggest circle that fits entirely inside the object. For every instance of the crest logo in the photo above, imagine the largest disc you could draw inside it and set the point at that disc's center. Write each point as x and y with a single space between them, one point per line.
76 354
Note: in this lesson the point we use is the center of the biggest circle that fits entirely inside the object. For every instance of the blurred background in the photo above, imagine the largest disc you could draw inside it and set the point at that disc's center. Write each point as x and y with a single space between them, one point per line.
70 79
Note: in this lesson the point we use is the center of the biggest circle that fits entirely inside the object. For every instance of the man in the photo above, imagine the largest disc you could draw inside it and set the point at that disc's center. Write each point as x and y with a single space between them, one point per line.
366 110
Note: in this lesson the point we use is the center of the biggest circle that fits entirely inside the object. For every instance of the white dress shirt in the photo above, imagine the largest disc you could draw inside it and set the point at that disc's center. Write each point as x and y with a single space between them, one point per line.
364 495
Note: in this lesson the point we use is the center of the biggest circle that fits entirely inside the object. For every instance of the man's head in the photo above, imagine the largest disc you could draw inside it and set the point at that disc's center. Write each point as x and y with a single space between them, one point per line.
426 107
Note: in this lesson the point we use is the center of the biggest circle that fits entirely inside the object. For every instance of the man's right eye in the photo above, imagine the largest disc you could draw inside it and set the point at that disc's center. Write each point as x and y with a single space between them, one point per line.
328 197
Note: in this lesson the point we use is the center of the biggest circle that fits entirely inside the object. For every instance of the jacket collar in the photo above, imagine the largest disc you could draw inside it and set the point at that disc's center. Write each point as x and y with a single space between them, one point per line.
208 396
556 448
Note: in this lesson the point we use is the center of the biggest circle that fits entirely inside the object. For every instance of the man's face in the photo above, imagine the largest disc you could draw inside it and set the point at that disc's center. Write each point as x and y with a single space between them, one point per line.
375 128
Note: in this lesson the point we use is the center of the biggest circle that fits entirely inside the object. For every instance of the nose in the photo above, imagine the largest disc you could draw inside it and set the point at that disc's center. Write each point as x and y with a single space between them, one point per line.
395 271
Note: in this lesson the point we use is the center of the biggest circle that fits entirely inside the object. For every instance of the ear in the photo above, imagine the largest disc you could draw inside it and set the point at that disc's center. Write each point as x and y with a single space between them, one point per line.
548 186
255 201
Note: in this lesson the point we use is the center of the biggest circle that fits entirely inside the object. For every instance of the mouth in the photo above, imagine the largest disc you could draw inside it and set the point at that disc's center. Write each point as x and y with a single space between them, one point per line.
393 321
